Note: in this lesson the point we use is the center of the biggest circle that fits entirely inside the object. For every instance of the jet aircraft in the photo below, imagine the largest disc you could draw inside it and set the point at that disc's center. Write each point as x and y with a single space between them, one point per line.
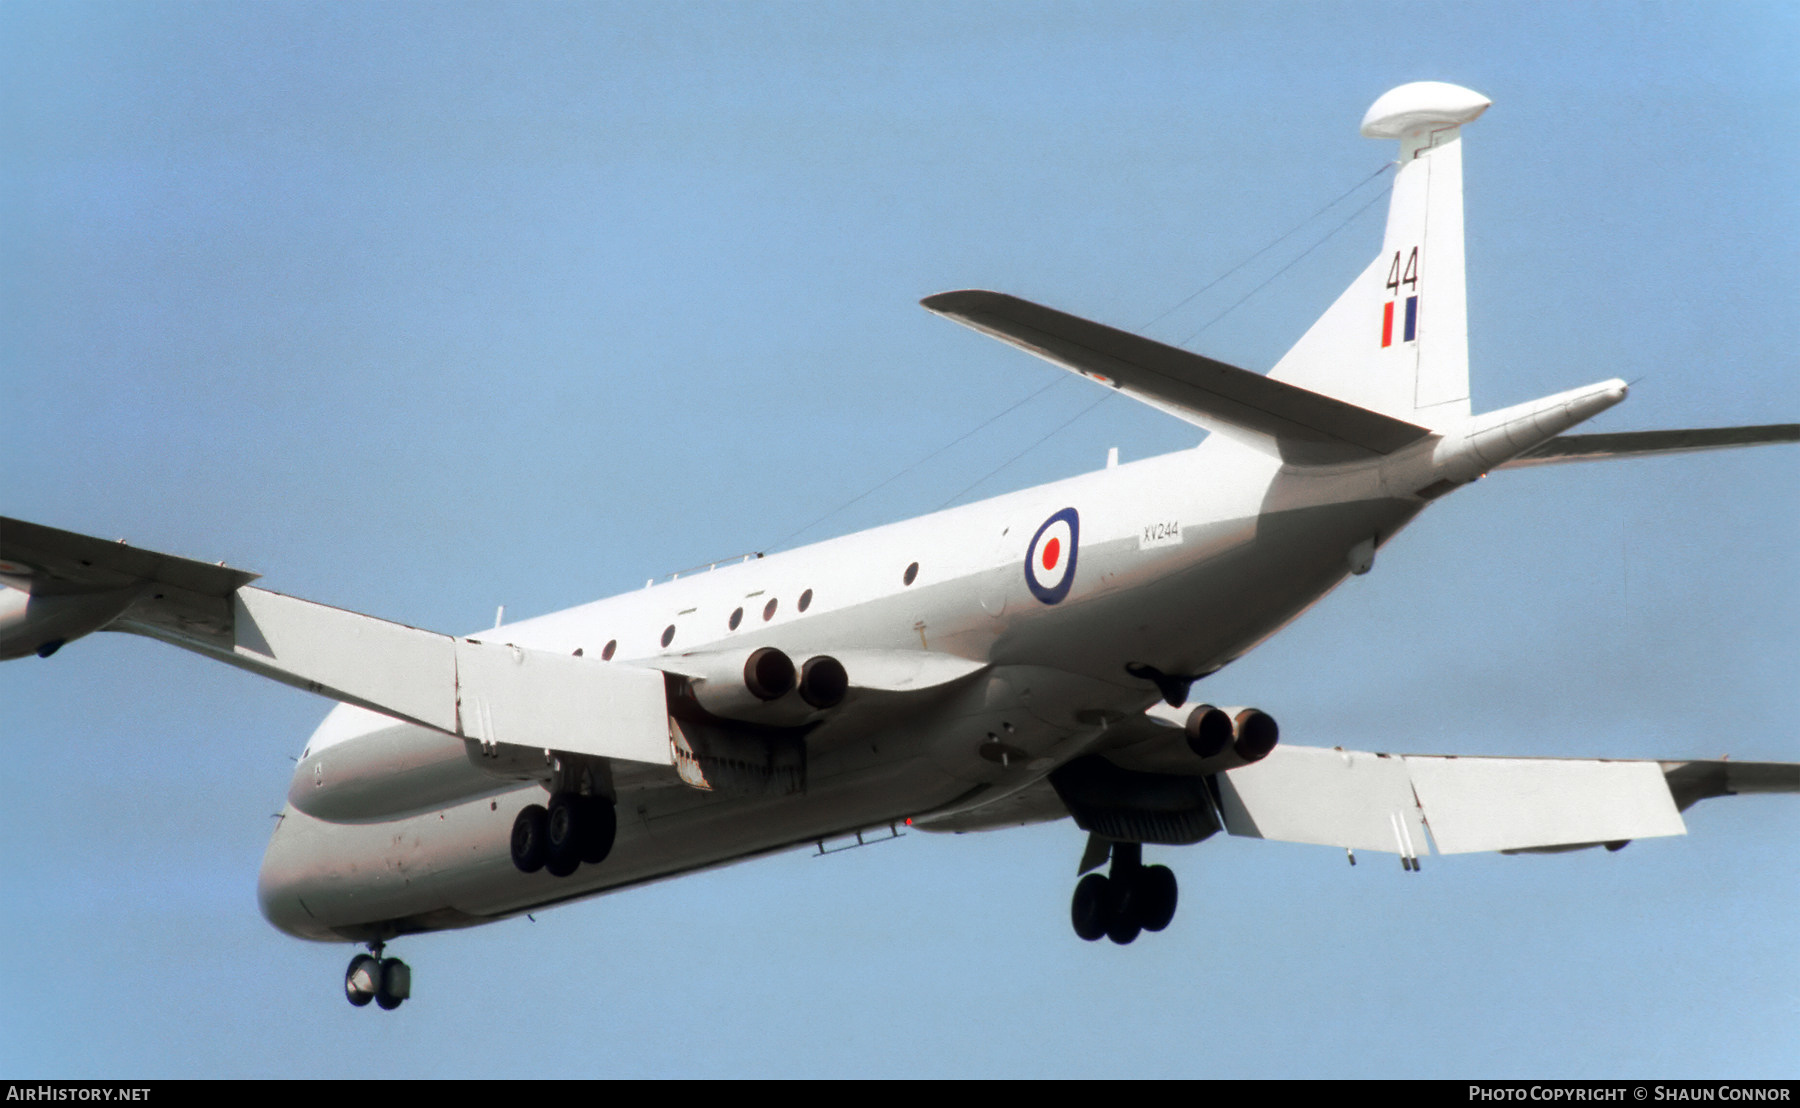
1027 658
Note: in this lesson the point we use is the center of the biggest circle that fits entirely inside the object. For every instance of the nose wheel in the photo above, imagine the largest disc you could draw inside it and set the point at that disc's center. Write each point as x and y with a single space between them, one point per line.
1130 898
386 981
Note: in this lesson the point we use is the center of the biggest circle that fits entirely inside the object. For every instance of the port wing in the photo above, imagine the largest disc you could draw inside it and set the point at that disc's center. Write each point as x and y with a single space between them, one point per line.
1391 802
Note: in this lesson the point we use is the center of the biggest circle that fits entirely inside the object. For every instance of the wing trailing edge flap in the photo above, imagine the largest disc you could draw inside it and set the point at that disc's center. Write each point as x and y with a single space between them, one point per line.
1301 426
1344 798
496 693
1647 444
73 584
1389 803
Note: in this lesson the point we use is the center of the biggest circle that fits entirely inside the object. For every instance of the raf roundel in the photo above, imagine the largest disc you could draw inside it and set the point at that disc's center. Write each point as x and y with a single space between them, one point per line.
1050 559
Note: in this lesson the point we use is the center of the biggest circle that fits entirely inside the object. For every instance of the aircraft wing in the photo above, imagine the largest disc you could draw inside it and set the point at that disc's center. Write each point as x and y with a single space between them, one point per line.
1304 427
1409 804
1143 783
1692 782
45 561
1393 802
66 585
1643 444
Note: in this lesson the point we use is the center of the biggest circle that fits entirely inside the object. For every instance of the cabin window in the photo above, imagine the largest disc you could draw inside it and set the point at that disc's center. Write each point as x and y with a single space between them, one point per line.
737 617
668 634
606 652
806 600
912 573
769 610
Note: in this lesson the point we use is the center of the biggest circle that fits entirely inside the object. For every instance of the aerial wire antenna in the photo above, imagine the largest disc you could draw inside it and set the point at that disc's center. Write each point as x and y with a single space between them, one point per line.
965 436
1351 218
1041 390
1238 303
1041 441
1289 233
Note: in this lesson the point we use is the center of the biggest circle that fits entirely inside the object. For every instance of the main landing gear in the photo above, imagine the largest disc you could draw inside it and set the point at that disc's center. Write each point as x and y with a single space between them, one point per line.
386 981
572 830
1131 897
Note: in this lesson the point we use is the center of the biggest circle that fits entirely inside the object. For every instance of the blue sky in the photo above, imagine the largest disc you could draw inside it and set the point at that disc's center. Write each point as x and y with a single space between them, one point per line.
423 309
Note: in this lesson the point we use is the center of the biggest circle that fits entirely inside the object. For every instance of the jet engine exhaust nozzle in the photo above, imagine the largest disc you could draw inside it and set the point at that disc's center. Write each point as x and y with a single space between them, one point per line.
768 674
1256 734
1209 731
823 682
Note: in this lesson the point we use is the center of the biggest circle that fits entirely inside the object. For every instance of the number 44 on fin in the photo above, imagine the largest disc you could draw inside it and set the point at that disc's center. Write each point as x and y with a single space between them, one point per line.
1410 278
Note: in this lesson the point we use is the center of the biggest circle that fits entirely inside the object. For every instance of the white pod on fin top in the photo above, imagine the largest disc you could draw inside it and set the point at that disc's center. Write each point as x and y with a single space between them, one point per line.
1422 104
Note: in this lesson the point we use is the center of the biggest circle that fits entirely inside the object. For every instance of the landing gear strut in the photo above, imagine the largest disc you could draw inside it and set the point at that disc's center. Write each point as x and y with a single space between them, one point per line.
1130 898
572 830
386 981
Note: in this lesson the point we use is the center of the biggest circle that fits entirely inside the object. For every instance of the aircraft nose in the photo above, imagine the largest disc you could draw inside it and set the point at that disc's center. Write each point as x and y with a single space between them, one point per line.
287 869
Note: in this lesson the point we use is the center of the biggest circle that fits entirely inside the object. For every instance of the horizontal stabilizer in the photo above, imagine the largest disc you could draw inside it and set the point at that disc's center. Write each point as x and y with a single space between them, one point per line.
1304 427
1643 444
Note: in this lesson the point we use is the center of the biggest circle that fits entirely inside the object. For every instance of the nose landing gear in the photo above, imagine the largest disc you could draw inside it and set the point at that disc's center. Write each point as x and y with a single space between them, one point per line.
386 981
1130 898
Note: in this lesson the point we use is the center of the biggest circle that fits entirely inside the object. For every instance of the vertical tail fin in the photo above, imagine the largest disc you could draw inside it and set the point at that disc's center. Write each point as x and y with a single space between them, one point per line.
1397 340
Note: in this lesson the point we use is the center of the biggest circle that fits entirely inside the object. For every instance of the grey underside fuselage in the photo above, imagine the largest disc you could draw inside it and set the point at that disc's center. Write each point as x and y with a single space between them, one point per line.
1249 558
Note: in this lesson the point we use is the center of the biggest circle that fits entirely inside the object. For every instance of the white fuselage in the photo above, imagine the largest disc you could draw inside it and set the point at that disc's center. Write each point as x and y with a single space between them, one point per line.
1180 562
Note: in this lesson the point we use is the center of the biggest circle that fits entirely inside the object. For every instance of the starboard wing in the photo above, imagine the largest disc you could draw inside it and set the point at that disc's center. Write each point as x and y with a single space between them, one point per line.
486 691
